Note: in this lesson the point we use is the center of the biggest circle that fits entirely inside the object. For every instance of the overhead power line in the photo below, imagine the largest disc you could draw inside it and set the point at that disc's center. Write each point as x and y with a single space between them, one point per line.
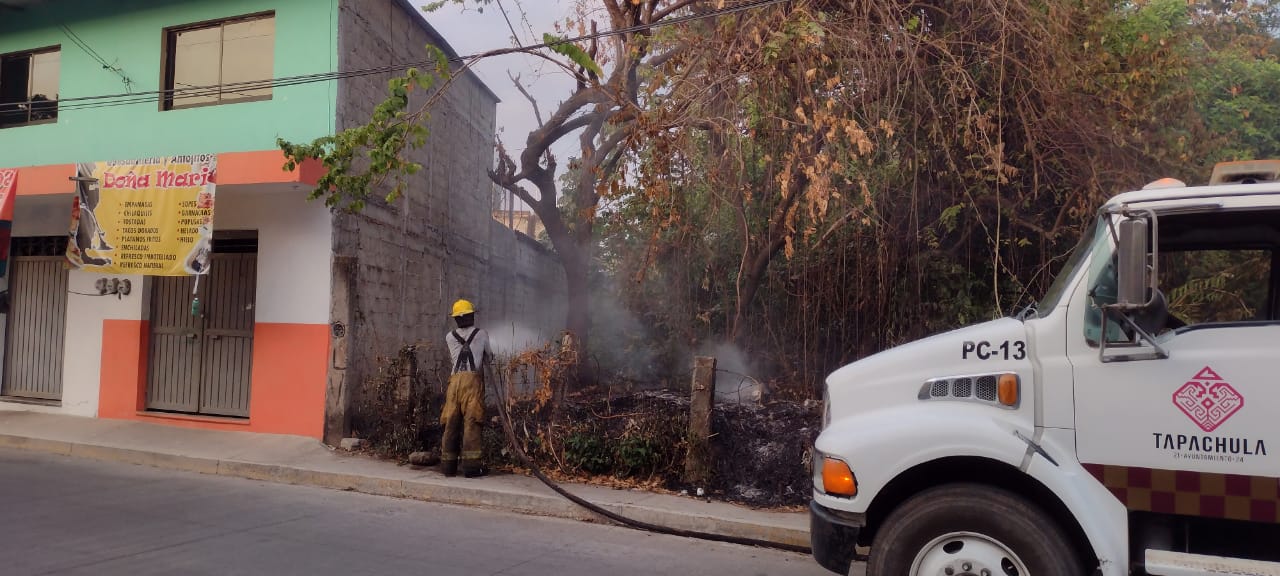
78 41
178 93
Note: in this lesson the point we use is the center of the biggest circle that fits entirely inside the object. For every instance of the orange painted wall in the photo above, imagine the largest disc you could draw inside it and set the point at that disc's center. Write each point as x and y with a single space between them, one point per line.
287 386
264 167
124 368
258 167
290 372
51 179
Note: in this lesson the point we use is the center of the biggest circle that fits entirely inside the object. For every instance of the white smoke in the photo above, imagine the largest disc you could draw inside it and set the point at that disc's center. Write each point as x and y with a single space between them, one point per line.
735 376
621 346
512 339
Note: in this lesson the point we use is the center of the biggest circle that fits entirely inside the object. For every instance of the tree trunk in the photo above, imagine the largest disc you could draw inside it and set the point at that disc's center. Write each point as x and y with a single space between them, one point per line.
577 317
749 287
575 259
749 281
754 265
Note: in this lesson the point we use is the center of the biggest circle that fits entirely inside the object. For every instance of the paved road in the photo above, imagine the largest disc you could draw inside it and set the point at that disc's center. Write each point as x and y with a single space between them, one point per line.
65 516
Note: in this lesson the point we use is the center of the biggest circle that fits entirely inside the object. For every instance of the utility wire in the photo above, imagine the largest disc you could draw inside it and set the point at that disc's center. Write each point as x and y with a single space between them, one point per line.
80 42
107 100
75 38
515 38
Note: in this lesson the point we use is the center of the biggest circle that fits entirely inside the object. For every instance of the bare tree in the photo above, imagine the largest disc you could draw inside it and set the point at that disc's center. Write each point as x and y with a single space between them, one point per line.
602 112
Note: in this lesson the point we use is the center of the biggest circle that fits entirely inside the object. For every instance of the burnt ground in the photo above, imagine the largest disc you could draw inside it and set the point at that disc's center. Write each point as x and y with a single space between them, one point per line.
760 453
632 439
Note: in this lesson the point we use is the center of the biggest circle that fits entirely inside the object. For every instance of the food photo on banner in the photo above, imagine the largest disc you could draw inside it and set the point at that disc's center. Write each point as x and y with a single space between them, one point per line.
152 217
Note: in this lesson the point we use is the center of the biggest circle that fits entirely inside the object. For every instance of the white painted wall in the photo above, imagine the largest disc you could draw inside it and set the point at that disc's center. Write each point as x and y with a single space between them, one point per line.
294 258
82 349
82 360
295 250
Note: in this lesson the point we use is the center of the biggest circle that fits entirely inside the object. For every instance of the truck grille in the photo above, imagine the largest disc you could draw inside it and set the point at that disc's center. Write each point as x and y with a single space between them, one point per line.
983 389
987 388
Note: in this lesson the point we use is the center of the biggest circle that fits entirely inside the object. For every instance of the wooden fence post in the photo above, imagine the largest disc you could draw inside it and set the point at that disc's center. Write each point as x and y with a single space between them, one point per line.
697 463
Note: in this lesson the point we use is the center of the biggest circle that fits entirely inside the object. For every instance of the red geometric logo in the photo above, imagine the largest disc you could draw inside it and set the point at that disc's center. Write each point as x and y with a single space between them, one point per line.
1208 400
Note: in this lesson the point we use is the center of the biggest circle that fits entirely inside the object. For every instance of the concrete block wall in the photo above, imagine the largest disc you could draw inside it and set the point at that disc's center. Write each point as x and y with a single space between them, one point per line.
414 257
525 287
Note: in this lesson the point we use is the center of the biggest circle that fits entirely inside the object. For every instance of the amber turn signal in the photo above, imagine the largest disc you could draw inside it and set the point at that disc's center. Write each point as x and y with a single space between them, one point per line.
837 479
1009 389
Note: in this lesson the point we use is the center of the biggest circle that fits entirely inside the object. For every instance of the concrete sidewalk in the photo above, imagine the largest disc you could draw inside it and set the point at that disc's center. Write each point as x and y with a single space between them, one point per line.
297 460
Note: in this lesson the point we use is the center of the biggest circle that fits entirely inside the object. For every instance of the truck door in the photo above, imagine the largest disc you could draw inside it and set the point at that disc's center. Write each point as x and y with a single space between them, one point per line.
1196 433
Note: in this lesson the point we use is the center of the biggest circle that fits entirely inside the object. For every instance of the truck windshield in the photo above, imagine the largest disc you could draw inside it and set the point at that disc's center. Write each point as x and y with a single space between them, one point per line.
1059 287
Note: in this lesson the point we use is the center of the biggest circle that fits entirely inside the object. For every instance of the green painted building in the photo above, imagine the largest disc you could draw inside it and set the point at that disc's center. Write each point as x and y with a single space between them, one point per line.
86 50
299 302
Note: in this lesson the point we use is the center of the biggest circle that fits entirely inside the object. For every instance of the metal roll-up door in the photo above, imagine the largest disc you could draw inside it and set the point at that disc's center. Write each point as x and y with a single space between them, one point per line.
37 327
228 335
202 364
173 377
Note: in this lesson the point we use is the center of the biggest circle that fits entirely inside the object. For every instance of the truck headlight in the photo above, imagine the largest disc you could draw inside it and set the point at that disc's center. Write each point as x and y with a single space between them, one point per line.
833 476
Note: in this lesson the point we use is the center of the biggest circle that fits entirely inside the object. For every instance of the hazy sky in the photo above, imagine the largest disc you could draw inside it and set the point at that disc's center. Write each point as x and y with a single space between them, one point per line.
469 32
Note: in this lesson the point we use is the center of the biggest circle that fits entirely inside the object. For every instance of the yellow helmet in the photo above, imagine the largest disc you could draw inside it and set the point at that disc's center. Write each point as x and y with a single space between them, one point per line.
462 308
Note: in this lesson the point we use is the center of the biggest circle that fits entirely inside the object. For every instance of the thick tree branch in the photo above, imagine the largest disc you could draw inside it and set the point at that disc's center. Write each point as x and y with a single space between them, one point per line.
516 189
1016 218
540 140
673 8
615 138
568 127
658 60
614 154
837 225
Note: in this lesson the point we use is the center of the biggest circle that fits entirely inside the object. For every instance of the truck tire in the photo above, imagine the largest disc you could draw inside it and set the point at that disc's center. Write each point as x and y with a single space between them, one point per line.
972 530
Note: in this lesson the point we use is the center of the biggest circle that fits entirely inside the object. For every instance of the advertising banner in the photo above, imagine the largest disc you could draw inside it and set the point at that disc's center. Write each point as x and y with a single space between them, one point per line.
8 189
152 217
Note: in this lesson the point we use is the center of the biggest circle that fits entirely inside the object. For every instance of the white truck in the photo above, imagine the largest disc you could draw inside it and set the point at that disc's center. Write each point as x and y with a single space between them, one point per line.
1127 424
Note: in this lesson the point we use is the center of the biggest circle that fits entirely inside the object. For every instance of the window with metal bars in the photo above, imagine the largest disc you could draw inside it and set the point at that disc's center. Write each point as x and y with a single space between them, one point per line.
29 87
39 246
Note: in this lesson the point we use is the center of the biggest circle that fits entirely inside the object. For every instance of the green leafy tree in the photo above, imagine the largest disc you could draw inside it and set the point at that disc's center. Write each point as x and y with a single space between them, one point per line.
370 159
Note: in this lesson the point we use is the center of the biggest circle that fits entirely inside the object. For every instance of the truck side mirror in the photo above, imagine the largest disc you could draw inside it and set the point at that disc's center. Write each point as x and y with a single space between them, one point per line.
1139 307
1133 277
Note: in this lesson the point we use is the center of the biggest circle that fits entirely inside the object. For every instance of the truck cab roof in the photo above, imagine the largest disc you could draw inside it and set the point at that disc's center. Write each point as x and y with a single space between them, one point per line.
1251 178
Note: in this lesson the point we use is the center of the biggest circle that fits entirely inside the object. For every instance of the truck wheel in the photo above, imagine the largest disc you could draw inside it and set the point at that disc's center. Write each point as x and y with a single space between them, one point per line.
971 530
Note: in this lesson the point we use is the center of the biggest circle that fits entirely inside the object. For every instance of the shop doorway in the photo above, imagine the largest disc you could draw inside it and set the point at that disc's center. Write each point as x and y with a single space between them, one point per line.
201 355
36 323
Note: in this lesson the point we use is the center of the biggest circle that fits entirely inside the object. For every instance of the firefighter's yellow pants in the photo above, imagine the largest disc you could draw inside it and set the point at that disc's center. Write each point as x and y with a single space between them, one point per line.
462 419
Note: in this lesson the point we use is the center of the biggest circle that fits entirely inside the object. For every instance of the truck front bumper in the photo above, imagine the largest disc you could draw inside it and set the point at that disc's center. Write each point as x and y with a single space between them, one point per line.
833 536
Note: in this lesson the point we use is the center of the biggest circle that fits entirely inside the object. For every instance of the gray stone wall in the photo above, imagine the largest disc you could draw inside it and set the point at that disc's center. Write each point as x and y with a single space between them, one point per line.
406 262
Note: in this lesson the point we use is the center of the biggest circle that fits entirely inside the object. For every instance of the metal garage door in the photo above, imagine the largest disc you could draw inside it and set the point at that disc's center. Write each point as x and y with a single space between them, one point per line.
201 364
37 327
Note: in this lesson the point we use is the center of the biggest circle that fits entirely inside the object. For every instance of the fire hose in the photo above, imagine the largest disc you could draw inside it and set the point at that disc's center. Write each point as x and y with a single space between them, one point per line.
505 417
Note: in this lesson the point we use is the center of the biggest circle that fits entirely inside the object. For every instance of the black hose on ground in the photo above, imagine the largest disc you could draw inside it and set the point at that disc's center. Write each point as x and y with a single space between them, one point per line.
505 417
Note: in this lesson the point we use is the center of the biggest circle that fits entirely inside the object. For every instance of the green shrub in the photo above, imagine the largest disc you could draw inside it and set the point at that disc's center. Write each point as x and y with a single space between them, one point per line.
637 455
588 452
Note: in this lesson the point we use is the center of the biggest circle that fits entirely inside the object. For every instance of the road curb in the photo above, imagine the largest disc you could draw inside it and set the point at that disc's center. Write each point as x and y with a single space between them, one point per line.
475 496
145 458
35 444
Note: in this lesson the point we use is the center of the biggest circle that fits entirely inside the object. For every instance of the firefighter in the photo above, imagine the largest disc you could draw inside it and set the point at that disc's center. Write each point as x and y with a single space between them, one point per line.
464 400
